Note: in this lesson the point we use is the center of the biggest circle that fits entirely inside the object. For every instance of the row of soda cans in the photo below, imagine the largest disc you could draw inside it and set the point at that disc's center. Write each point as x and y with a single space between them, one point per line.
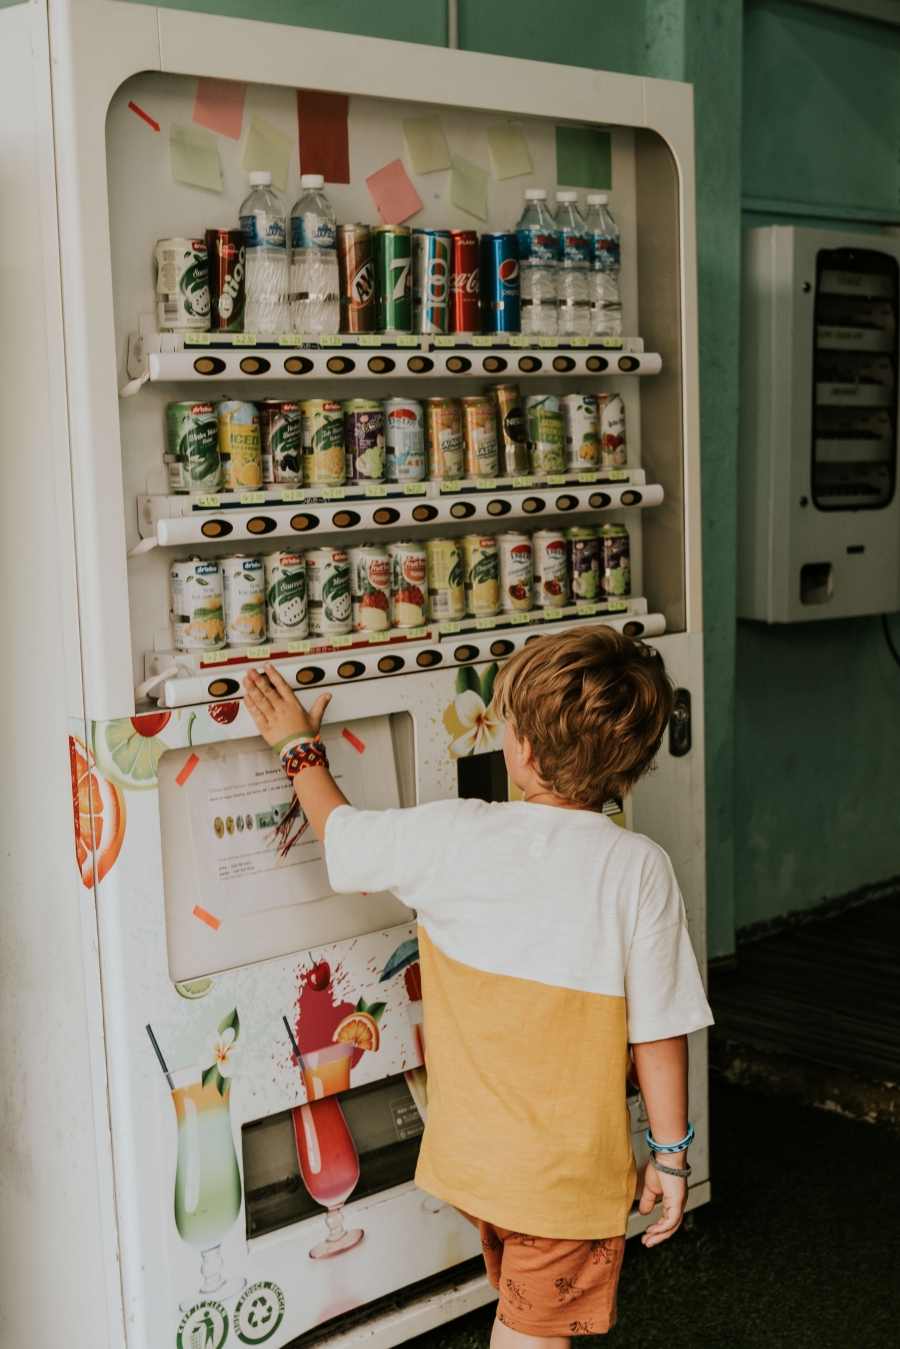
328 592
234 446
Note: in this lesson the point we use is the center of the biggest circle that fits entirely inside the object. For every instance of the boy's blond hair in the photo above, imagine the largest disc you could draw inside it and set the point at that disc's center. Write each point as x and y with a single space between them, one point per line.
594 705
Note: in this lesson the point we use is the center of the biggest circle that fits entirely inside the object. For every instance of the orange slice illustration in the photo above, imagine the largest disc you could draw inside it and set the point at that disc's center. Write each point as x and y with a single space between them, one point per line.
99 809
358 1029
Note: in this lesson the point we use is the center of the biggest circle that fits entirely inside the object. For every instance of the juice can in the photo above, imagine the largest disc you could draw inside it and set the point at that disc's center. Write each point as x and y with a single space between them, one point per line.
198 619
244 586
182 285
583 551
363 440
329 607
280 441
431 281
444 437
614 560
409 584
551 571
546 433
227 279
516 572
322 434
465 308
239 446
356 273
392 247
479 426
192 448
370 587
611 425
481 574
404 440
286 616
582 435
512 429
446 593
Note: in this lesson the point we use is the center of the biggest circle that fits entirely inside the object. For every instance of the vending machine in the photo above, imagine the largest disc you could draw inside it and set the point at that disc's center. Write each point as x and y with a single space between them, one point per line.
208 433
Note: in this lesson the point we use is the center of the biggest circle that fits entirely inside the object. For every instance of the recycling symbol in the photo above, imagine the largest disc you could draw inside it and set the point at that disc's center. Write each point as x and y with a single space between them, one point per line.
259 1313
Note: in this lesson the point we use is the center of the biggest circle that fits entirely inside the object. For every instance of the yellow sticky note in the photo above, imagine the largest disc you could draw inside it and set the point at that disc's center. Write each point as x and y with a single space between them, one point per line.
425 143
267 148
509 153
468 187
195 157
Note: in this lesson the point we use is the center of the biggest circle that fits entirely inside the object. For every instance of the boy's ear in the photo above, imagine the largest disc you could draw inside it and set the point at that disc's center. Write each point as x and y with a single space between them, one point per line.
524 752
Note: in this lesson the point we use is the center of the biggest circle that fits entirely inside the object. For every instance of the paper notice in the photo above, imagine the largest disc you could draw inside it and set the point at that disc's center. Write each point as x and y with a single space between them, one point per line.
583 157
219 105
468 187
322 134
509 153
195 157
267 148
394 196
425 143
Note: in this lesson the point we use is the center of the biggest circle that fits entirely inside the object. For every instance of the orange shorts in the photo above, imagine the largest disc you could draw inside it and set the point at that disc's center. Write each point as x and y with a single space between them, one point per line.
552 1287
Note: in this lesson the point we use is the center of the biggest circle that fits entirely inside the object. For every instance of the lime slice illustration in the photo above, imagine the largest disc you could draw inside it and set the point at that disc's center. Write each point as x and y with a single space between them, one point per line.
197 989
124 755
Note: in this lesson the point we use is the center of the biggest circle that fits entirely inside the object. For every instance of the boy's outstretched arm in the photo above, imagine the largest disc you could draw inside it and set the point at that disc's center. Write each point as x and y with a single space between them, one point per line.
280 716
662 1072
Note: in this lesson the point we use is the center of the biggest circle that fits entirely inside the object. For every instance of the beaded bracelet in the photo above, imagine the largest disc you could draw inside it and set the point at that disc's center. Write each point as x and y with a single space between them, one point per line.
682 1172
305 754
671 1147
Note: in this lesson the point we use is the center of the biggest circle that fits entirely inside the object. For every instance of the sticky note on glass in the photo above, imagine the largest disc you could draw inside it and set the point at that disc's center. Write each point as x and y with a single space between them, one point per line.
322 134
425 143
394 196
219 105
468 187
583 157
267 148
509 153
195 157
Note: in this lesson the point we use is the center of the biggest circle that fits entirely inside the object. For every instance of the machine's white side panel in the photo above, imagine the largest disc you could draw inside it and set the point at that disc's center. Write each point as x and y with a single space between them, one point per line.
754 460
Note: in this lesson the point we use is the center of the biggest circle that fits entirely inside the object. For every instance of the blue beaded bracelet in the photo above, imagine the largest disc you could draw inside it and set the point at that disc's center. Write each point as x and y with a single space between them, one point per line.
663 1148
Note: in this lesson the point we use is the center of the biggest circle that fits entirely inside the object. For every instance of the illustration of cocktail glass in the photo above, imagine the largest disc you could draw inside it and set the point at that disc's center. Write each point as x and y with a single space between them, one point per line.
329 1164
327 1071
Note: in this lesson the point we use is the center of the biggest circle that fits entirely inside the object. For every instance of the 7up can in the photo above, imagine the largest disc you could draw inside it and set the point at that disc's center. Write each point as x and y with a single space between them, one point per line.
192 448
182 285
393 278
286 596
328 583
481 574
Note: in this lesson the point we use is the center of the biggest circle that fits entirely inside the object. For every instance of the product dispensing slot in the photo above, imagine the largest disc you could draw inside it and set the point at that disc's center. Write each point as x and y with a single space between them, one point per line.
597 364
628 364
261 524
461 510
597 500
386 515
340 365
532 505
566 503
421 514
420 365
493 365
502 647
483 777
298 365
209 365
345 519
309 674
530 365
498 507
381 365
216 529
255 365
303 522
458 365
631 498
563 364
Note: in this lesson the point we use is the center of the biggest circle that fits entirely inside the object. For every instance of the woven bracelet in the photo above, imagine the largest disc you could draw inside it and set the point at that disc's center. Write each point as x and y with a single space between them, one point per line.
683 1172
671 1147
307 754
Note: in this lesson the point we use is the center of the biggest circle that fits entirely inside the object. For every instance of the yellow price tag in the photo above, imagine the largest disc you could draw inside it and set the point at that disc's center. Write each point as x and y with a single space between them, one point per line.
556 479
612 343
376 637
370 339
414 489
482 623
407 340
587 477
243 340
586 610
519 340
252 498
330 339
519 619
619 475
342 640
522 482
618 606
293 494
207 503
214 657
482 340
298 648
376 489
550 614
290 340
196 339
333 493
451 485
547 342
578 341
449 629
258 652
415 633
444 340
486 484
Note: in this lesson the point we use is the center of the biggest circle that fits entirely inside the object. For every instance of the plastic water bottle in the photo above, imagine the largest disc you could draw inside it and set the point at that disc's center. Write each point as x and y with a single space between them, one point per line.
538 250
574 267
606 303
315 306
262 220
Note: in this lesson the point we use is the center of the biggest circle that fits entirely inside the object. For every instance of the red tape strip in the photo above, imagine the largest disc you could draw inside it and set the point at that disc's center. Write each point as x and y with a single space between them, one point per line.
146 116
187 770
354 740
214 923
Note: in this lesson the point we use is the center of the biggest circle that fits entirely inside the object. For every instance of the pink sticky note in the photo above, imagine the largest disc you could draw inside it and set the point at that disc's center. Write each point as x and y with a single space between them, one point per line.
219 105
394 196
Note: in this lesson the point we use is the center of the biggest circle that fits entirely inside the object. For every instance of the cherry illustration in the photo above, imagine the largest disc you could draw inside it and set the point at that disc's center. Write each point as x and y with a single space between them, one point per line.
319 977
224 713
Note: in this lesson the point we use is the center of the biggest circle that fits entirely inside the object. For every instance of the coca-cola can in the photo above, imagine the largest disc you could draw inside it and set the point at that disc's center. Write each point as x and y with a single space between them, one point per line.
356 270
225 249
465 312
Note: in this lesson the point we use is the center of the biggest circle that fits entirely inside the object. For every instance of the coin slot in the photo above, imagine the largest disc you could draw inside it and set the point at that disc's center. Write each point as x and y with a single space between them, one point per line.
563 364
216 529
391 664
255 365
535 637
597 364
423 513
222 688
597 500
419 365
529 365
209 365
340 365
628 364
386 515
351 669
461 510
498 508
298 365
426 658
261 524
633 629
381 365
304 522
493 365
566 503
345 519
458 365
309 674
464 653
502 648
631 498
532 505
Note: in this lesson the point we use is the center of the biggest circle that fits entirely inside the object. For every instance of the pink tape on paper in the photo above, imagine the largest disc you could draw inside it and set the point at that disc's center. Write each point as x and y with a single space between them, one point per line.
146 116
219 105
394 196
214 923
187 770
353 740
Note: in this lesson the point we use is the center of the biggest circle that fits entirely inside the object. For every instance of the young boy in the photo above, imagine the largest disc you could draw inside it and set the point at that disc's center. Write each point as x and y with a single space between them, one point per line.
550 939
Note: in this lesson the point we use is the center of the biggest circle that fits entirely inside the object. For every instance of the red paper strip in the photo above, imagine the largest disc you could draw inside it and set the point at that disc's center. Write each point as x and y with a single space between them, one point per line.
394 196
146 116
219 105
214 923
322 135
187 770
354 740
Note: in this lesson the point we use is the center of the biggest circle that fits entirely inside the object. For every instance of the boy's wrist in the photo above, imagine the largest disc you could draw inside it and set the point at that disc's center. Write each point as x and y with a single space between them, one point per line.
292 739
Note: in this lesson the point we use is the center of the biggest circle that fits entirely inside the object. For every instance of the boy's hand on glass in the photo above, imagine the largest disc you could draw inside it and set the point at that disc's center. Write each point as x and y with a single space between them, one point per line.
277 711
673 1190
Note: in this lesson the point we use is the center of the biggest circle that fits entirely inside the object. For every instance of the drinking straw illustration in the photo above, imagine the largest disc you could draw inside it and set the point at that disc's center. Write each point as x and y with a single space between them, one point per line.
293 1042
162 1062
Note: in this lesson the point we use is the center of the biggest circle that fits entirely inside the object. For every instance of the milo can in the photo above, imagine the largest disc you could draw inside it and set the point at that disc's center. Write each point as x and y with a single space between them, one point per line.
244 585
516 579
280 441
546 433
322 435
286 596
370 587
481 574
182 285
404 440
363 440
192 448
583 553
512 429
357 278
198 620
239 446
580 425
409 583
611 423
446 593
551 572
479 427
444 438
392 249
328 592
227 285
614 560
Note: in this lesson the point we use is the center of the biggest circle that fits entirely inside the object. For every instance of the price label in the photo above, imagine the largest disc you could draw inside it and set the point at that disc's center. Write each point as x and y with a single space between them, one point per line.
344 639
415 633
214 657
298 648
290 340
587 477
482 340
207 503
482 623
414 489
258 652
618 606
196 339
619 475
444 340
243 339
376 489
578 341
522 482
449 629
556 479
586 610
330 339
486 484
376 637
612 343
333 493
451 485
545 342
252 498
407 340
519 619
293 494
550 614
519 340
370 339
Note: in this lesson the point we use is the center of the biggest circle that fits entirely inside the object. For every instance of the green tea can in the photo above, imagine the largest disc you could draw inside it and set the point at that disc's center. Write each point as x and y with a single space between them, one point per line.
192 448
546 432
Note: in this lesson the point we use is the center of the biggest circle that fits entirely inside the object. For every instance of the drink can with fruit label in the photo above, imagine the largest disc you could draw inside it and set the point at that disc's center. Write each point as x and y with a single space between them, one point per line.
479 424
444 437
499 278
404 440
465 307
409 584
322 434
239 446
280 440
481 574
611 425
512 429
182 285
392 247
286 615
244 586
615 560
446 592
516 572
431 281
583 550
551 570
192 448
364 440
227 279
546 433
329 607
370 587
198 616
356 272
582 436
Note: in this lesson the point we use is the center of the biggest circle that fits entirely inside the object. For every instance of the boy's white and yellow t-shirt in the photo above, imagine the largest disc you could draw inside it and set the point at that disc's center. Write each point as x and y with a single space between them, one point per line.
549 939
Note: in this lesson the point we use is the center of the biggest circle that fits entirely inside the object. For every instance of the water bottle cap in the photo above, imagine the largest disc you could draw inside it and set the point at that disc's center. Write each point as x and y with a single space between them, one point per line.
535 194
597 199
260 178
312 180
567 196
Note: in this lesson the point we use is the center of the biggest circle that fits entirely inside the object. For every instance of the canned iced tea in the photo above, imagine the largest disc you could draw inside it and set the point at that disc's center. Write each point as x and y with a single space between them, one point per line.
582 437
363 440
512 429
370 587
446 593
615 560
551 573
546 433
516 579
280 441
198 620
329 607
404 440
286 616
444 438
481 574
479 425
611 424
239 446
409 583
182 285
583 549
322 433
244 587
192 445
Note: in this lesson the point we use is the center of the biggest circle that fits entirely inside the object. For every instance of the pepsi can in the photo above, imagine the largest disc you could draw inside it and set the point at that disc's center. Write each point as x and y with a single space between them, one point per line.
500 304
431 281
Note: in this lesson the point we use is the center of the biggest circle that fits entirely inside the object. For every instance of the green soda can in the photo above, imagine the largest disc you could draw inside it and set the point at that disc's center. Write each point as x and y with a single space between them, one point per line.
392 247
192 444
547 433
615 560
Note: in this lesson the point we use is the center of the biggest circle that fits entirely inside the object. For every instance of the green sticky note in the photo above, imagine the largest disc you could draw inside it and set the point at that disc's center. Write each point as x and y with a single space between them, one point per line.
583 157
195 157
468 187
268 148
425 143
509 153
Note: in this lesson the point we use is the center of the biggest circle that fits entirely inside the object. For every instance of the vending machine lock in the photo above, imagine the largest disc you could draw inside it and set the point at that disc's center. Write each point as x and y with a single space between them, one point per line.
680 724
